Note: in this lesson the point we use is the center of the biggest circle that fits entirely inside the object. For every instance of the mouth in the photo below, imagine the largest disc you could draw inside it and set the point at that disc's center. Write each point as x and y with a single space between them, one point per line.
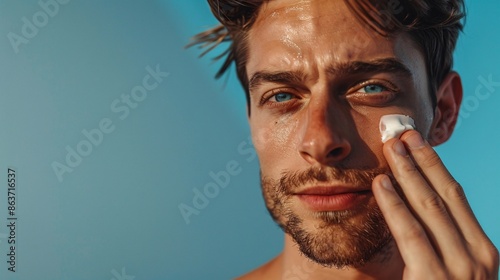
333 198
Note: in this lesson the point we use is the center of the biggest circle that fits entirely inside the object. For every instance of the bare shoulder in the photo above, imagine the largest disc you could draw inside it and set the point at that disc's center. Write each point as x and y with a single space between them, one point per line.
270 270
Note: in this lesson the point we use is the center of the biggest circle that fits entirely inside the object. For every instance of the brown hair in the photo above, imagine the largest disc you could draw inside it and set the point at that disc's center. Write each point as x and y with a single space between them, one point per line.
433 24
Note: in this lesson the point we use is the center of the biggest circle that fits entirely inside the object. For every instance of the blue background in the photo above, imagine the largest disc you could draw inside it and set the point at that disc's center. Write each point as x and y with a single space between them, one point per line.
117 213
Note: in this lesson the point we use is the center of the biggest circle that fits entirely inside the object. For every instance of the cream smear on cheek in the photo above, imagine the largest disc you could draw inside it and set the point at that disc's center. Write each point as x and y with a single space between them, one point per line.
392 126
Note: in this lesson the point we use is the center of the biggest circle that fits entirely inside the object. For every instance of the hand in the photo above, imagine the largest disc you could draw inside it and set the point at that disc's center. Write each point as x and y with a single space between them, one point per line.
435 230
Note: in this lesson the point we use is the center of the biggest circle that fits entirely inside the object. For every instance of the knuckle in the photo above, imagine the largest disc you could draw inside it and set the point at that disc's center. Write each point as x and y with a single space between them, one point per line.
437 274
485 264
491 256
453 191
415 232
408 170
433 203
396 205
482 273
464 270
430 160
496 257
417 275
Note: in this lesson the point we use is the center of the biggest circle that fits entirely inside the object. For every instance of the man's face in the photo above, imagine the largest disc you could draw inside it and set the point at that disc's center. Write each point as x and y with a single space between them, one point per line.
319 82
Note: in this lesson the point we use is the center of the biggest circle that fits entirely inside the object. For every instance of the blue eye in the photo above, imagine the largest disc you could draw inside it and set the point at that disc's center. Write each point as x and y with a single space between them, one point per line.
373 88
282 97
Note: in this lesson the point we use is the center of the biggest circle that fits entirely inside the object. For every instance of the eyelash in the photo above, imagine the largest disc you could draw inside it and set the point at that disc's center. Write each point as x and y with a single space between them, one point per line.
385 84
266 97
380 97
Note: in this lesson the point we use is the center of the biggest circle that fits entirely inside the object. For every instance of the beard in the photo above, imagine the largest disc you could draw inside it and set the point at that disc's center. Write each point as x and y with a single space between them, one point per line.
338 239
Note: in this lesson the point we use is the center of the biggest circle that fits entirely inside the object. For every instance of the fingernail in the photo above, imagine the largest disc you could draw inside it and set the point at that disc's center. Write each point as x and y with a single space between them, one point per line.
415 141
386 183
399 148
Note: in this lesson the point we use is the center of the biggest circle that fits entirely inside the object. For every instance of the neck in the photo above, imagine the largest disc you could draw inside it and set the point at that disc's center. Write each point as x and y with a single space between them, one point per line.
386 265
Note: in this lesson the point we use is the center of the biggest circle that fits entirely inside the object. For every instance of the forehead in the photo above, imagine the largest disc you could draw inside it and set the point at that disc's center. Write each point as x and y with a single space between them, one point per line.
304 14
314 33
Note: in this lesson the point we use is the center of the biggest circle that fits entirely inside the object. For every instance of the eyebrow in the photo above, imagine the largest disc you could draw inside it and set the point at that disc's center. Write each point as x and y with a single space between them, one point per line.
288 77
387 65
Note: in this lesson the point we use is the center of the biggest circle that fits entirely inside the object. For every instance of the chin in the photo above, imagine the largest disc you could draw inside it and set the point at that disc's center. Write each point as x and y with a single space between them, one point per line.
347 238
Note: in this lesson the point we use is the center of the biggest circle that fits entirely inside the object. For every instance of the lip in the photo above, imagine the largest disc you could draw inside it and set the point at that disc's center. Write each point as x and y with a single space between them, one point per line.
333 198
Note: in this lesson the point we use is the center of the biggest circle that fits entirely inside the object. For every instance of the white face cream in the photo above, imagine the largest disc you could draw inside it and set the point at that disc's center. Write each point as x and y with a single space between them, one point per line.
392 126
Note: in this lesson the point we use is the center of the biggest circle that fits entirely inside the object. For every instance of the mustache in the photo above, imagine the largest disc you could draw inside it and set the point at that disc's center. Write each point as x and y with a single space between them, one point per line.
291 181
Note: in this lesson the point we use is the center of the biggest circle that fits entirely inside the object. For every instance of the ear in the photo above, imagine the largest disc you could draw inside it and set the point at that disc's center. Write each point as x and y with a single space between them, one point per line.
448 100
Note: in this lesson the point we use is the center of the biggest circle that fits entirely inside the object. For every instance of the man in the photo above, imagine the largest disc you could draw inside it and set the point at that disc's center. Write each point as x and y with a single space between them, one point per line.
319 75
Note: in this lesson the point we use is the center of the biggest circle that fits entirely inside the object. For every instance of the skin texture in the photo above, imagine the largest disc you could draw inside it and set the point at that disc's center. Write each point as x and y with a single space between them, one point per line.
310 109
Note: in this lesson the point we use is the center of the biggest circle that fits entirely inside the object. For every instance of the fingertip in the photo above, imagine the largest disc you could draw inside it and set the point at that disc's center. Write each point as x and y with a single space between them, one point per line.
413 139
382 183
409 133
394 147
385 182
387 147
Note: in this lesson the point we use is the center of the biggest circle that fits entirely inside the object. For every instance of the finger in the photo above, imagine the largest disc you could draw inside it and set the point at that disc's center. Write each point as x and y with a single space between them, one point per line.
426 204
451 193
413 244
428 162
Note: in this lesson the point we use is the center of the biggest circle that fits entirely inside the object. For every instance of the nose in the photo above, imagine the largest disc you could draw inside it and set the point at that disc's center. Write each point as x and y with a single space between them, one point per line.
323 133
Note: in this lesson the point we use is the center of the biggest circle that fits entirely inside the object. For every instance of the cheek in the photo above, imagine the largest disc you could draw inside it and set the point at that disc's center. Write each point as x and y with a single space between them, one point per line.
274 142
370 138
367 145
424 117
367 127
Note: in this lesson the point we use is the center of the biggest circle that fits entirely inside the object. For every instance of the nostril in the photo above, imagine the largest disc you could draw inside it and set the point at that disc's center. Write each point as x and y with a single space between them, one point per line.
335 153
